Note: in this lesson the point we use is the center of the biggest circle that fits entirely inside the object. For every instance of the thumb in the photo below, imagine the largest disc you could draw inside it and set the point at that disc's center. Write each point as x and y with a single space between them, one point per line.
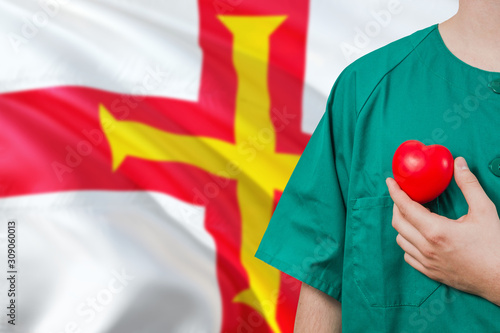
469 185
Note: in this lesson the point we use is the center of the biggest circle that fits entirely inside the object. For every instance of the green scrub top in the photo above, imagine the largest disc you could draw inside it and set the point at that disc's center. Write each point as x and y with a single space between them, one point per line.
332 226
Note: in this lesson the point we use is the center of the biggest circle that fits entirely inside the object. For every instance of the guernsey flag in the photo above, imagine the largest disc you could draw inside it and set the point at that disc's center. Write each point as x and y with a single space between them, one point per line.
145 144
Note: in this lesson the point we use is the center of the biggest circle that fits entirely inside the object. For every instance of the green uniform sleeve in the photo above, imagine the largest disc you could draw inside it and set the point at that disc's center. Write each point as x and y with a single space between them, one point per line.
305 235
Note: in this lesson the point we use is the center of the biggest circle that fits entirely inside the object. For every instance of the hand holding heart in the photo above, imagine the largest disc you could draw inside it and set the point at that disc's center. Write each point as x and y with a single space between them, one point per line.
462 253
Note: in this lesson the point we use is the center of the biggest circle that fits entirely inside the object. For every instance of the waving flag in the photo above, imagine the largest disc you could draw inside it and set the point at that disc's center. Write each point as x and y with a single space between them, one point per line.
145 144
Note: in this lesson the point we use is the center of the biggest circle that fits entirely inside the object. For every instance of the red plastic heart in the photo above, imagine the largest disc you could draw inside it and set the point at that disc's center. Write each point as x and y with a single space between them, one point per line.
423 172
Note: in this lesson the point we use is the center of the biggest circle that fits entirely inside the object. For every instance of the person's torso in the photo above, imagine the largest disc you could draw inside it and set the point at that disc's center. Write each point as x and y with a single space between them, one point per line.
433 97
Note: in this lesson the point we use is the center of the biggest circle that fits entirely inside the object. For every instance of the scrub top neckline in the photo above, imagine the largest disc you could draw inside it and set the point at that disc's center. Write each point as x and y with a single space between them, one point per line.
457 59
440 61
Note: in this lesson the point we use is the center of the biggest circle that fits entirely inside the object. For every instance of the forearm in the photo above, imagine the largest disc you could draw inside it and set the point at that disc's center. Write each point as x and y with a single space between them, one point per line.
317 312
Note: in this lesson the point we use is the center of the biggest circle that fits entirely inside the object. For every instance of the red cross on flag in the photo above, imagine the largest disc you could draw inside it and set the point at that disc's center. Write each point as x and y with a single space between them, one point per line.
144 146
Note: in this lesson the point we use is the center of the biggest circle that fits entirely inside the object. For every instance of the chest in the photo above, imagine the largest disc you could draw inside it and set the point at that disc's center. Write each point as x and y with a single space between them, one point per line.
467 124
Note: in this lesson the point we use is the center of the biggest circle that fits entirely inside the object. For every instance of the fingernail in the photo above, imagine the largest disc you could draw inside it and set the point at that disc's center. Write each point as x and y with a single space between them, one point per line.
461 163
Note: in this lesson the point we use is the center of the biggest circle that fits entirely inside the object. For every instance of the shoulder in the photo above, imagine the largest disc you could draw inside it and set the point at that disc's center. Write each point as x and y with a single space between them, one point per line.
360 78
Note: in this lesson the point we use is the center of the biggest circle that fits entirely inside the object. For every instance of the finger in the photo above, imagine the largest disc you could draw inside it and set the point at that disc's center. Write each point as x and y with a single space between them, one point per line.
407 230
415 263
412 211
469 185
409 248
